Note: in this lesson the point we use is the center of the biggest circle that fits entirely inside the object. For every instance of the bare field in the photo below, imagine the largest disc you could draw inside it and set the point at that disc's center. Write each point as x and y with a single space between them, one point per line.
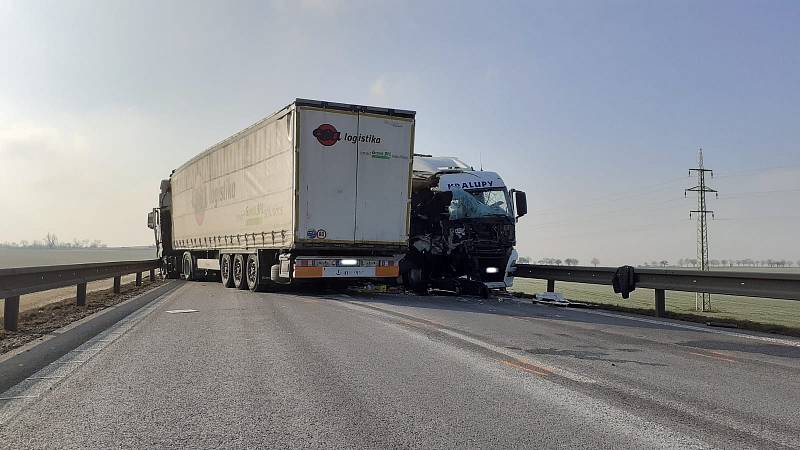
784 313
24 257
27 257
39 321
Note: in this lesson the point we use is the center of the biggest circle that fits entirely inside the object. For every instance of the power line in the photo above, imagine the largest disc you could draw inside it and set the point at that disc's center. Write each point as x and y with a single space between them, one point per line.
650 206
648 189
735 195
702 301
751 172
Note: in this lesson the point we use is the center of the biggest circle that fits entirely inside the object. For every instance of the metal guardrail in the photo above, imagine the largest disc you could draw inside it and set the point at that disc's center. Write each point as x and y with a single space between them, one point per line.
27 280
750 284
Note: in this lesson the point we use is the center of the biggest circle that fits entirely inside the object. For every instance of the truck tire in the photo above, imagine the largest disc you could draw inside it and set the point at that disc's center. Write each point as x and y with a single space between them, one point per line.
187 267
415 280
239 275
275 273
253 271
225 270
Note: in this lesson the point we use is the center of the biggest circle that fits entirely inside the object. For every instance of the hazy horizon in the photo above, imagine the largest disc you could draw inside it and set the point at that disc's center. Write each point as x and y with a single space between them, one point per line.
596 110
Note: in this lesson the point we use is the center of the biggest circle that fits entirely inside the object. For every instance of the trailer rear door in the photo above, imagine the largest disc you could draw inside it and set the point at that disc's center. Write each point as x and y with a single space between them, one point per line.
327 175
384 158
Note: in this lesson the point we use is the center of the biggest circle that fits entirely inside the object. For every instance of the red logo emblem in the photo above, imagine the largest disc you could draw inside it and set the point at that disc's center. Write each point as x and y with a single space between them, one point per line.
327 134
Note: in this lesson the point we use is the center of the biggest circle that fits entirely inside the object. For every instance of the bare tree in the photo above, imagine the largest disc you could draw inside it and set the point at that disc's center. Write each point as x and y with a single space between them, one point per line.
51 240
664 263
595 262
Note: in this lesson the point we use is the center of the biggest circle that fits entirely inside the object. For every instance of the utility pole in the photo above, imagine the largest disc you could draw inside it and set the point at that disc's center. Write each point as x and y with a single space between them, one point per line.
702 301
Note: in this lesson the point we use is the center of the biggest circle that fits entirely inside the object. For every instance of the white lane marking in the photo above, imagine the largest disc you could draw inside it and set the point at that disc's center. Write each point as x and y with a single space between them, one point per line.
780 341
19 396
519 356
181 311
597 414
483 344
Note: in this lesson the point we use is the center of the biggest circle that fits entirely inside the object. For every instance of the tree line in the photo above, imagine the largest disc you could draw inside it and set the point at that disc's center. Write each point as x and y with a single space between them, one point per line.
52 241
554 261
746 262
683 262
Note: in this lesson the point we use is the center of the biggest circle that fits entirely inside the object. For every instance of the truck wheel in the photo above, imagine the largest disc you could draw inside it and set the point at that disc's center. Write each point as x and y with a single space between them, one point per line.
254 274
415 280
187 267
239 275
225 271
275 273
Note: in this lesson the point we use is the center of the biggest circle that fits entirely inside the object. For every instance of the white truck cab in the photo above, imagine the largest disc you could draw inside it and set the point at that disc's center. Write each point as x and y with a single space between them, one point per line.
462 224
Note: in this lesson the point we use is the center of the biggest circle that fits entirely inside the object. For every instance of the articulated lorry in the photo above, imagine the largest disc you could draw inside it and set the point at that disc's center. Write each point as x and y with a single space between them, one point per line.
462 228
316 191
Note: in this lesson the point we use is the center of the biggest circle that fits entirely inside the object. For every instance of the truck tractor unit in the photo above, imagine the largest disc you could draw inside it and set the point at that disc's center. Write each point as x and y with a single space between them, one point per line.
316 191
462 228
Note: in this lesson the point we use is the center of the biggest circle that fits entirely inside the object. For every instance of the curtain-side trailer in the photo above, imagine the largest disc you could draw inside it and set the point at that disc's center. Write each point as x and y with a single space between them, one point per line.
317 190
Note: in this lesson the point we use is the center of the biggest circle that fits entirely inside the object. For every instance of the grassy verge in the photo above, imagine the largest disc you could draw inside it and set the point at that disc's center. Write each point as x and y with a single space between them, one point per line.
35 323
767 315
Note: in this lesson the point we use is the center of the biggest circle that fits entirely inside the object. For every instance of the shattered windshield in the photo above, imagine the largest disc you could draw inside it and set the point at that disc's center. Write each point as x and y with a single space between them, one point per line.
483 203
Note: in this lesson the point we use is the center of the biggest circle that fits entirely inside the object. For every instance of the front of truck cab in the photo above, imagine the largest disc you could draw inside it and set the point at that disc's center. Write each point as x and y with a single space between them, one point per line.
481 226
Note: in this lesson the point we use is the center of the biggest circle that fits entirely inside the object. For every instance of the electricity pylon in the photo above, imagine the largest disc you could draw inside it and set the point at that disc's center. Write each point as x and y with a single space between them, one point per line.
702 301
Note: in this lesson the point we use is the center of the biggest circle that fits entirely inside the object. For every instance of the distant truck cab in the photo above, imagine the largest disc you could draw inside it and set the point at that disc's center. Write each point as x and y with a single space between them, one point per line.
462 228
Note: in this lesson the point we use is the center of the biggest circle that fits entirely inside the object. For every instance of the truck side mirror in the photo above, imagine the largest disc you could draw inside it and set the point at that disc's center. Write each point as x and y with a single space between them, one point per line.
520 203
152 220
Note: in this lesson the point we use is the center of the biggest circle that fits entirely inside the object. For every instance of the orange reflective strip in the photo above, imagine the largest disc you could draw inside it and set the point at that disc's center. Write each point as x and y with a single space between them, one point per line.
387 271
307 272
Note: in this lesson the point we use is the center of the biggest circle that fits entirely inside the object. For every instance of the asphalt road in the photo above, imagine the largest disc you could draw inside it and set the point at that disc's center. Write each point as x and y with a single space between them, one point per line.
290 370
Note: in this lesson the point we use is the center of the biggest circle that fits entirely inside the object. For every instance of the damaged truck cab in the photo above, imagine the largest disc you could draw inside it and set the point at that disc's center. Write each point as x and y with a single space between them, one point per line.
462 228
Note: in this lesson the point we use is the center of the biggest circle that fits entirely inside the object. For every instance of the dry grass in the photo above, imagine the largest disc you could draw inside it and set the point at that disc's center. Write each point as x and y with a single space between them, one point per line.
770 315
35 323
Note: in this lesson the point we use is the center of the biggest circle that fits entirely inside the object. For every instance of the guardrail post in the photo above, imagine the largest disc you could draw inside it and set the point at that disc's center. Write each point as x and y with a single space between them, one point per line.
661 304
117 284
138 278
551 285
80 296
152 275
11 313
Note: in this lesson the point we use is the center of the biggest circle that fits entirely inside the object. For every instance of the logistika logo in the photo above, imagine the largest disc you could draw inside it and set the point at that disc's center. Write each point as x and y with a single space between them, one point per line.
328 135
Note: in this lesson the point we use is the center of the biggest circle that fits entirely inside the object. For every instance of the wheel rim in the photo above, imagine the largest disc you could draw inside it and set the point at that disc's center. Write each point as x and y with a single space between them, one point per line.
237 270
226 268
252 272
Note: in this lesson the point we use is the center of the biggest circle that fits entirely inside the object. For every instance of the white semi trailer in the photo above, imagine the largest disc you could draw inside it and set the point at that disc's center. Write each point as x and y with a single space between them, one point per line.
317 190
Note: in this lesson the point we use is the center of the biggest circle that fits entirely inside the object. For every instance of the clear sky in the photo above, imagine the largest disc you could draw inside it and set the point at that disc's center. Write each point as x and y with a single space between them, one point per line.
595 109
